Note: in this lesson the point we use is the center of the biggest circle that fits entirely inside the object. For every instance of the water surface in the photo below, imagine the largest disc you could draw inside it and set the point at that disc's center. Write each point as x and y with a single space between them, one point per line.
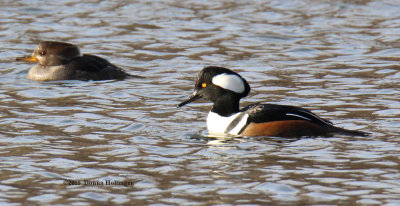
337 58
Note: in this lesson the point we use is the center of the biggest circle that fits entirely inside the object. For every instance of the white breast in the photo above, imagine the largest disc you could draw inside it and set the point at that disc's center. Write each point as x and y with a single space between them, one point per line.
219 124
51 73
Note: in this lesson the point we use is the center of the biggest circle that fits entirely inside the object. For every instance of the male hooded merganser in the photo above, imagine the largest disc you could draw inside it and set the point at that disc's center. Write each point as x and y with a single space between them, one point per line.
225 88
64 61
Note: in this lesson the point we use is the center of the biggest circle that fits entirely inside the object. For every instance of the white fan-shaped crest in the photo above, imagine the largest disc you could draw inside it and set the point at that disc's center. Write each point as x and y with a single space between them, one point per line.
229 81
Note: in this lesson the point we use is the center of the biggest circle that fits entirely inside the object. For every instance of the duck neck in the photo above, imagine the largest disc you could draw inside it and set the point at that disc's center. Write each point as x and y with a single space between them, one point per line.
226 106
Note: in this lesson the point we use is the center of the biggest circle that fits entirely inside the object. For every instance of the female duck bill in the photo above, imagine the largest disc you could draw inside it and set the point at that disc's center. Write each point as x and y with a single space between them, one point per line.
27 59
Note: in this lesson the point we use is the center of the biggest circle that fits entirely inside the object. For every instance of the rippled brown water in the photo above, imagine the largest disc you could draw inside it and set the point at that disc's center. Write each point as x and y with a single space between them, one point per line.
337 58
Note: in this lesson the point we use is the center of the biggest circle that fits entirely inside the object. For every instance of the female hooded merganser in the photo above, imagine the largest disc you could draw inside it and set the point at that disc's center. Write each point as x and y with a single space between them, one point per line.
64 61
225 88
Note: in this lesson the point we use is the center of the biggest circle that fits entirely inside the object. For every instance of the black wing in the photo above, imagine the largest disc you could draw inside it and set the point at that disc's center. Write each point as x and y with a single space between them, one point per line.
259 113
90 63
95 68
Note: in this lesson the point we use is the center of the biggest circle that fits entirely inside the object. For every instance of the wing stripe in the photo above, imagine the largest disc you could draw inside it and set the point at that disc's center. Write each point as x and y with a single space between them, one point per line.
297 115
317 117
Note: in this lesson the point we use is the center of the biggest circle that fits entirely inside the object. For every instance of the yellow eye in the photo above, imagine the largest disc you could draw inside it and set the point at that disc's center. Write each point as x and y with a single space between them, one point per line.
204 85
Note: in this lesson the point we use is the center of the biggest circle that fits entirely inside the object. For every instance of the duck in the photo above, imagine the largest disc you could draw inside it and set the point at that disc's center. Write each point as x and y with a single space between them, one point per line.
64 61
225 88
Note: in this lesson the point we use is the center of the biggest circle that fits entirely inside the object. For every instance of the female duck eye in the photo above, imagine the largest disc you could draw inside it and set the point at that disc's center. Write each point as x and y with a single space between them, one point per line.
204 85
42 53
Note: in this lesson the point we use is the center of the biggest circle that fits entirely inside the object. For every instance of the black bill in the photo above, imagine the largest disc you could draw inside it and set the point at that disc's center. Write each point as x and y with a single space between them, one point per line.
192 98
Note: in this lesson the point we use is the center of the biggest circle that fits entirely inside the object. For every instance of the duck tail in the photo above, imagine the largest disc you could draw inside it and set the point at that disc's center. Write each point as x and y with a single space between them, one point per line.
342 131
134 76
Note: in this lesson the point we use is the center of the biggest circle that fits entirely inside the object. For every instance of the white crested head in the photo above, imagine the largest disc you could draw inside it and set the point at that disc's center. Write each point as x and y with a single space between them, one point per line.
229 81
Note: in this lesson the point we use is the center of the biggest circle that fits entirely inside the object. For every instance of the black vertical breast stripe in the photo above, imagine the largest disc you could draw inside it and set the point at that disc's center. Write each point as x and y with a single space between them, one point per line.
235 122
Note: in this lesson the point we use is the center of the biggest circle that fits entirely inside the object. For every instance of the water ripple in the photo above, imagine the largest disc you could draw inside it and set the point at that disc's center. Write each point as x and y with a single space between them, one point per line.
337 58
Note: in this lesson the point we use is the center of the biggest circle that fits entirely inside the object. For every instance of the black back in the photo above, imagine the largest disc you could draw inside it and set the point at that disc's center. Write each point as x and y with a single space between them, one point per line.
95 68
259 113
